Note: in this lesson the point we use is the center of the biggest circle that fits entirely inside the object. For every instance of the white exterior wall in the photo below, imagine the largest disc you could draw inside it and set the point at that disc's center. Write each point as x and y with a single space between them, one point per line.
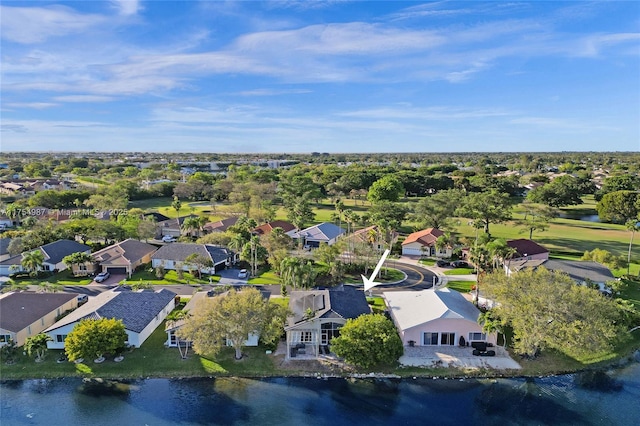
460 327
413 249
65 330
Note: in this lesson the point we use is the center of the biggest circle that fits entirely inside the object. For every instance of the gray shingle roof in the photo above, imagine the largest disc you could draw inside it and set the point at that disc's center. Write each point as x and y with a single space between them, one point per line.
4 246
56 251
136 309
323 232
580 270
18 310
180 251
131 250
338 302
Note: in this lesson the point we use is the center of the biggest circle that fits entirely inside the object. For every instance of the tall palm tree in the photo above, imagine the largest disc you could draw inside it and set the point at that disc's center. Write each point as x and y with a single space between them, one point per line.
176 204
632 225
32 261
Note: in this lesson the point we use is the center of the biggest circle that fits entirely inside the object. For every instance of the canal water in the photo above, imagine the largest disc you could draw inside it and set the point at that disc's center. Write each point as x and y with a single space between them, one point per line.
560 400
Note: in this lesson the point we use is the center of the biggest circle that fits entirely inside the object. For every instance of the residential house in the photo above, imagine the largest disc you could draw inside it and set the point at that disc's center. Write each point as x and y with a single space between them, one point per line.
318 316
582 272
171 256
141 312
265 229
221 225
435 318
423 243
124 257
325 232
53 254
527 250
4 248
371 236
172 227
24 314
171 327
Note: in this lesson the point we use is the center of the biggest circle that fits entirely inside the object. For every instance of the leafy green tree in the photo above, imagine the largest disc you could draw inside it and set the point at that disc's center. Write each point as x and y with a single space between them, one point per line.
199 262
436 211
297 273
619 206
387 188
176 204
565 190
605 257
231 318
485 208
9 352
37 346
368 341
47 287
32 261
536 218
16 246
92 338
549 310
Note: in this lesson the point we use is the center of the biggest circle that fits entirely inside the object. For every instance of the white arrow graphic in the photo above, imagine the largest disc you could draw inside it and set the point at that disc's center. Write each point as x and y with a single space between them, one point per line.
368 282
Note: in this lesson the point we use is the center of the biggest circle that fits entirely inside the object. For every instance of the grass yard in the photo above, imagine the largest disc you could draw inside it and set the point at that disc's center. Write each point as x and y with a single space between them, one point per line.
61 278
171 277
377 304
387 275
459 271
265 278
461 286
153 359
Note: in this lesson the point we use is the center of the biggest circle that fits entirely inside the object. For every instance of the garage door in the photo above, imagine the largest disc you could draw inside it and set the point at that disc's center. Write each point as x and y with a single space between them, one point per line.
117 270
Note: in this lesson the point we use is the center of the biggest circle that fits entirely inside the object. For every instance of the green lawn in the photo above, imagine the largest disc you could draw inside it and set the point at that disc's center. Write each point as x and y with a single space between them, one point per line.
459 271
171 277
377 304
461 286
265 278
427 262
62 278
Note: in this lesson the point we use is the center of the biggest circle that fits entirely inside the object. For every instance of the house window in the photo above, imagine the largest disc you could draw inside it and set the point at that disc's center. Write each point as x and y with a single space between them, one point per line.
60 338
82 267
429 339
42 321
4 338
328 331
306 337
475 337
29 330
447 339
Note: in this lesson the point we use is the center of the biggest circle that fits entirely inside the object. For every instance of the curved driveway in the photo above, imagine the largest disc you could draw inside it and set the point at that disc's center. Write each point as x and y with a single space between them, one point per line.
418 278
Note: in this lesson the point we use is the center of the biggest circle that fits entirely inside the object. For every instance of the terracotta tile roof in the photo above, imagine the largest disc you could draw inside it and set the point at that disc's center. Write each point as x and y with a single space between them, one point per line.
426 237
526 247
268 227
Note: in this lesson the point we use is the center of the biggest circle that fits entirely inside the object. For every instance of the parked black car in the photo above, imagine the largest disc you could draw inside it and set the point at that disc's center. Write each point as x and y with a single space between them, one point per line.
460 264
442 263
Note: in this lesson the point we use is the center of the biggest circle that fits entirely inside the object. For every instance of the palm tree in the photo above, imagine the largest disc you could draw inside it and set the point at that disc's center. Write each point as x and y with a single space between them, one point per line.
32 261
633 226
78 258
190 224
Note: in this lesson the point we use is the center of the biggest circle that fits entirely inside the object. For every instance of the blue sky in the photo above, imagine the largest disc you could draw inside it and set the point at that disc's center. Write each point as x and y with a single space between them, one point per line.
334 76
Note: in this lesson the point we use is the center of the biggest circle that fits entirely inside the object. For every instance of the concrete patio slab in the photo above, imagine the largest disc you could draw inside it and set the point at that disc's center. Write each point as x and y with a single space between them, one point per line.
452 356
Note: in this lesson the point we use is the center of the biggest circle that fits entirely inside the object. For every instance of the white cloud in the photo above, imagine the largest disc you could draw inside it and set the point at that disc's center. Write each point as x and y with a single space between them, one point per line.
83 98
127 7
29 25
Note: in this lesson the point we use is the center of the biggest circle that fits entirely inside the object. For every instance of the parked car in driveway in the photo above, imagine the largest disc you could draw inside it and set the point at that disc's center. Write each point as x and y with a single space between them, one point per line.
82 299
168 239
443 263
102 276
459 264
243 273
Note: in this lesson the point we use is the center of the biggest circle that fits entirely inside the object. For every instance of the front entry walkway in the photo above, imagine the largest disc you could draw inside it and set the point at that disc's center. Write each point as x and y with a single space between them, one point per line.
454 356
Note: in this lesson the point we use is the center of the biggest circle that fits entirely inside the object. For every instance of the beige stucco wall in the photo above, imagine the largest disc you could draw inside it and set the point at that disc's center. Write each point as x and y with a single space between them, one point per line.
43 323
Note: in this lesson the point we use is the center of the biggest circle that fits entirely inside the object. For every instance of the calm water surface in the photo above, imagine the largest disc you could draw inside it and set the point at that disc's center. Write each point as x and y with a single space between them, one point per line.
297 401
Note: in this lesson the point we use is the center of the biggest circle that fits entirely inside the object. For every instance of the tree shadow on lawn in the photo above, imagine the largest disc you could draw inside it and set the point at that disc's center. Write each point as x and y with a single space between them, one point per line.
580 246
